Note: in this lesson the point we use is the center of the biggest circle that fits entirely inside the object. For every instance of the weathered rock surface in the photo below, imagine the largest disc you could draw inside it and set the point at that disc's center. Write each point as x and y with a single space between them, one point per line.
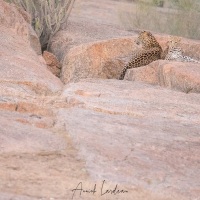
103 59
141 137
136 134
19 63
180 76
21 137
52 63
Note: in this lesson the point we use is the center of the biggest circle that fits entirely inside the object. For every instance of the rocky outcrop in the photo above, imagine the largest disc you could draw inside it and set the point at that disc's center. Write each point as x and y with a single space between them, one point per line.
18 21
136 133
82 57
19 63
139 138
106 59
103 59
180 76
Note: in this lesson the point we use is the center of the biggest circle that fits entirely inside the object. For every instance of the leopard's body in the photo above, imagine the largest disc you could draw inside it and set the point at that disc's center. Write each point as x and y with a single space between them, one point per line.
149 52
175 53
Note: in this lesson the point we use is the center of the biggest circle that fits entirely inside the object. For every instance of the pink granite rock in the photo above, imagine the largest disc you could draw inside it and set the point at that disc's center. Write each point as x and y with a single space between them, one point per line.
19 63
180 76
137 137
137 134
52 63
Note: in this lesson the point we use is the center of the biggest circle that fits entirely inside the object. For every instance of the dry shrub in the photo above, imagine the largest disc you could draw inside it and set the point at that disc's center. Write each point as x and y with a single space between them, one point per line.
46 16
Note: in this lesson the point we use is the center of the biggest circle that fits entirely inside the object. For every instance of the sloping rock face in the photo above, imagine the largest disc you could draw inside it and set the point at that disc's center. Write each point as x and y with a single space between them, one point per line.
19 21
19 63
136 134
33 156
140 137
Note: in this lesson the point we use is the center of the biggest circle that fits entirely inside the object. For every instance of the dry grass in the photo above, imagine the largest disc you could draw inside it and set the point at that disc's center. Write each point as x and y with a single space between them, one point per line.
179 17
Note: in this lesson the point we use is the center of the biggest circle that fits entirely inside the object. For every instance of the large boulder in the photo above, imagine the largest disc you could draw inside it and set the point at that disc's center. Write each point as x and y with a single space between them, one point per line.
136 134
19 63
103 59
18 20
180 76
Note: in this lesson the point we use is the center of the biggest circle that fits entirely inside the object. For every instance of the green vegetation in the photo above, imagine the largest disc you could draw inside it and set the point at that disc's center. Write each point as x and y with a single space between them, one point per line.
175 17
46 16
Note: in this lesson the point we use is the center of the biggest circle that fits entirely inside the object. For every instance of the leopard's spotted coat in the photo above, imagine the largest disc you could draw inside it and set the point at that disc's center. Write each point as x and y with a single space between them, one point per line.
150 51
175 53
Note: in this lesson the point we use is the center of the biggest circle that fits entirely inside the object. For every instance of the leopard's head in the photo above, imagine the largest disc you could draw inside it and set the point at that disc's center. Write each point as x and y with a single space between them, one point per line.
147 40
173 42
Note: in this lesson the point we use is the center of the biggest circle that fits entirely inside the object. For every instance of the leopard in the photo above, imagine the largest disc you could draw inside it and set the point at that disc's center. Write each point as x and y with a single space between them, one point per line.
150 51
174 51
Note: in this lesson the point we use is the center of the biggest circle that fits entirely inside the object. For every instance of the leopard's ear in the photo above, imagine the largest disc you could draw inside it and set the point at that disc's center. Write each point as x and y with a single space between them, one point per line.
174 38
149 33
144 33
